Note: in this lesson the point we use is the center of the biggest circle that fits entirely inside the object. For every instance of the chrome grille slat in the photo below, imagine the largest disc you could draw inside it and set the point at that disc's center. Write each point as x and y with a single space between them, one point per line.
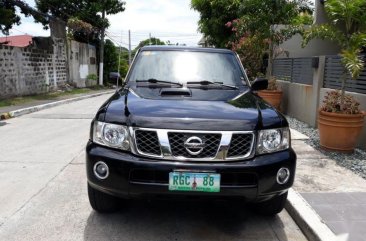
167 144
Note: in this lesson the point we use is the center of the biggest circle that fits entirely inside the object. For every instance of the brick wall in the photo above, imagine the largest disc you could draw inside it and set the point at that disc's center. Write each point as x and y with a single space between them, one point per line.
32 70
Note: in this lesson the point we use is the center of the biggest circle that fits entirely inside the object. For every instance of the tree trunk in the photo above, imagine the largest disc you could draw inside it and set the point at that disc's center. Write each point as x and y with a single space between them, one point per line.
343 90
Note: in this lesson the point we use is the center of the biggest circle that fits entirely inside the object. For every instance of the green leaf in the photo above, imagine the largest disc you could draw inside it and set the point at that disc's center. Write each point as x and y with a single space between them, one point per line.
352 62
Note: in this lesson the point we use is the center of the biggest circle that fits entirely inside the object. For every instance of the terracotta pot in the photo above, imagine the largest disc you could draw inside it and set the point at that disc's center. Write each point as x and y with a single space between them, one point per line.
339 132
273 97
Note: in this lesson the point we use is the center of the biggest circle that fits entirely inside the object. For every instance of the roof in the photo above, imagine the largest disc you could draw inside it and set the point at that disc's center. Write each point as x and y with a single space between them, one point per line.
16 41
184 48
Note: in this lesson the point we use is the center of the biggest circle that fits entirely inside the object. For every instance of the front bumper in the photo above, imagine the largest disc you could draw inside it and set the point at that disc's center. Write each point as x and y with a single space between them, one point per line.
132 176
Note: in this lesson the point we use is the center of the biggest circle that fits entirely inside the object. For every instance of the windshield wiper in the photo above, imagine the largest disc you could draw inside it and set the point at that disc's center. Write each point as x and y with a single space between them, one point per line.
208 82
155 81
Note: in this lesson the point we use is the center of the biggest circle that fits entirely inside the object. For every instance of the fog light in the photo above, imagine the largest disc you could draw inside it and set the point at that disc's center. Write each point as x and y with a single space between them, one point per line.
283 175
101 170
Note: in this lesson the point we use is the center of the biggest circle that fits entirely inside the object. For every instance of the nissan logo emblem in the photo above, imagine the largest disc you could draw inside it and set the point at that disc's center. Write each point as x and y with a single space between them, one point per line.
194 145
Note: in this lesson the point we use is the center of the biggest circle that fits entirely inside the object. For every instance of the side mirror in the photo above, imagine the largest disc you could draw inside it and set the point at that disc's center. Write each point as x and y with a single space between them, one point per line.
259 84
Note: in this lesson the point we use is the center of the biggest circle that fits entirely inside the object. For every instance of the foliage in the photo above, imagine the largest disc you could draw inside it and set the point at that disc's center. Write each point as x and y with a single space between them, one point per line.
250 50
123 68
85 11
272 84
76 25
332 100
9 16
347 28
304 18
92 77
150 41
214 14
256 32
110 58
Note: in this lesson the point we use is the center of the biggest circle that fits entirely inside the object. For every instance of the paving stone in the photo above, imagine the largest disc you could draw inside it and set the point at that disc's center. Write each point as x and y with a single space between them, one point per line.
354 231
344 213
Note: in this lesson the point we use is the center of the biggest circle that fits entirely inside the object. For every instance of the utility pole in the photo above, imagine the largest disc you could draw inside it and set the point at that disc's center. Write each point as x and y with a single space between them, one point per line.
129 47
149 38
101 51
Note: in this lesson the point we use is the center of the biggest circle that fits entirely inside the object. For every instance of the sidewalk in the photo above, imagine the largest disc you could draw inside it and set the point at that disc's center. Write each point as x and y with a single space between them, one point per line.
34 106
32 103
337 194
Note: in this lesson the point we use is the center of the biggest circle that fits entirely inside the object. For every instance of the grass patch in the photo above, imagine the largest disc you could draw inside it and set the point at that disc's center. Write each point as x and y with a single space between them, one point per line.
47 96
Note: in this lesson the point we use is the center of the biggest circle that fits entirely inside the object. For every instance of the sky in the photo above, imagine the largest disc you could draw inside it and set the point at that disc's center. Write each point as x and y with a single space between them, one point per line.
165 19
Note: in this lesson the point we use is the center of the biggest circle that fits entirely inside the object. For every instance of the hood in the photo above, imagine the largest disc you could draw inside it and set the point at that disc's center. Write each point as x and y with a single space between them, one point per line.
244 112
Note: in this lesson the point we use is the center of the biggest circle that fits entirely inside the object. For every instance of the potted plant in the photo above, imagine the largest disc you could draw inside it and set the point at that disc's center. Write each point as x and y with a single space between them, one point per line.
339 131
273 94
340 121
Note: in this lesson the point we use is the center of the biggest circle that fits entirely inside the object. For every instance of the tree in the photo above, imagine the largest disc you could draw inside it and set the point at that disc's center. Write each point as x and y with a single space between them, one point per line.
111 58
214 14
123 68
347 28
257 31
9 16
85 12
150 41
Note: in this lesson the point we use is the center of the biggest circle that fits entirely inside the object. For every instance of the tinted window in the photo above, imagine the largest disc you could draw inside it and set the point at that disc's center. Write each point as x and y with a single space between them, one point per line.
181 66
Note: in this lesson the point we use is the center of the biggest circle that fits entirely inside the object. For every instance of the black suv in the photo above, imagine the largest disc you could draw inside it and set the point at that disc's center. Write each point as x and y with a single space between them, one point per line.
188 123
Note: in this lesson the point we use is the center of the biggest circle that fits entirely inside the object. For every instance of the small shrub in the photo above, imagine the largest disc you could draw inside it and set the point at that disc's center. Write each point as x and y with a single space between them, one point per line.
92 77
332 100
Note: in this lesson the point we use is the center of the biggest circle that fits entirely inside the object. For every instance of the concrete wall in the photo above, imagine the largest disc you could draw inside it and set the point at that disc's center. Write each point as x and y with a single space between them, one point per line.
319 15
298 101
82 62
34 69
315 47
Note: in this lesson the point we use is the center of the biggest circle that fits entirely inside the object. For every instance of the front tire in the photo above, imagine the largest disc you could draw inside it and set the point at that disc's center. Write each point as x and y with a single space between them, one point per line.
272 206
102 202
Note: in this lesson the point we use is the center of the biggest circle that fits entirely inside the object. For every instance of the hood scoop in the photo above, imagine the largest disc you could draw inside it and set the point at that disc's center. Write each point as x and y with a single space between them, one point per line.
167 92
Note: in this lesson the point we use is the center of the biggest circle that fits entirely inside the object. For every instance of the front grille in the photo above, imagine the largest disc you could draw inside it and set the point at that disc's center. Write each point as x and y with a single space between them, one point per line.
211 141
240 145
147 142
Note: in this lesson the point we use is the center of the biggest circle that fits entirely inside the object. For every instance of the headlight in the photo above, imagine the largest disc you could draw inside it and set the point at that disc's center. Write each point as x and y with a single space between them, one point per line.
273 140
111 135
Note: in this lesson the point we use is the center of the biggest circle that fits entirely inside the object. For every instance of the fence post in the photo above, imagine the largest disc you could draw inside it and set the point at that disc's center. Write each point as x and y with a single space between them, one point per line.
292 70
318 79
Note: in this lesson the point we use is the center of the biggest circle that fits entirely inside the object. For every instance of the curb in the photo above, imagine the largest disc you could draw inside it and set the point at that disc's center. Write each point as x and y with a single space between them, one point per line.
36 108
307 219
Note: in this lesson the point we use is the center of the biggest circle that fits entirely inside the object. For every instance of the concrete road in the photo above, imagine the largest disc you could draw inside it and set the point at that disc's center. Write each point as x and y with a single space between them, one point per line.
43 192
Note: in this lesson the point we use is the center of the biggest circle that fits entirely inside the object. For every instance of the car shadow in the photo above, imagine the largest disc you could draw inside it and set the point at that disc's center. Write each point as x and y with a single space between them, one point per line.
178 220
3 123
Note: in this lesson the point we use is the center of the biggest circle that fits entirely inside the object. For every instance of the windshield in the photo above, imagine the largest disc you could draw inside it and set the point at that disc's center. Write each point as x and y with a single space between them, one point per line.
187 66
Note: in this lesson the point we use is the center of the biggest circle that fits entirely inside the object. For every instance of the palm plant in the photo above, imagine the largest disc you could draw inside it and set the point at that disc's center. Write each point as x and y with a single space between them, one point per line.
347 28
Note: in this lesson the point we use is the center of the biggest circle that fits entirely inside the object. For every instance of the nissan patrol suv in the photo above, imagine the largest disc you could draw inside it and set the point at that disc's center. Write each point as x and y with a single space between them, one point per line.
188 123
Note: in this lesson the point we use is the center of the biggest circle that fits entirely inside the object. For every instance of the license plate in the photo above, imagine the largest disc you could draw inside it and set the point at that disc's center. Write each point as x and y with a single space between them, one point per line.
196 182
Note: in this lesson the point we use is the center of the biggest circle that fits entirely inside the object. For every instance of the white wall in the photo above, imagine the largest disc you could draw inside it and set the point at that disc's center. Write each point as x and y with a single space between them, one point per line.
80 64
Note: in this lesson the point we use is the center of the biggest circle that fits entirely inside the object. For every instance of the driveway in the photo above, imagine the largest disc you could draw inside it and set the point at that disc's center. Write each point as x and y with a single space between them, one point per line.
43 192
